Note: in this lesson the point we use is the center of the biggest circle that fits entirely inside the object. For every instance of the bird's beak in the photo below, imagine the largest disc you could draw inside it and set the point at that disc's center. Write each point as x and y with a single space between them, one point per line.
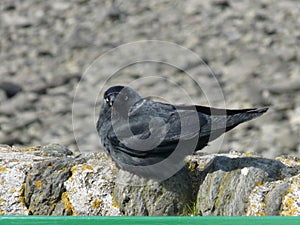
112 99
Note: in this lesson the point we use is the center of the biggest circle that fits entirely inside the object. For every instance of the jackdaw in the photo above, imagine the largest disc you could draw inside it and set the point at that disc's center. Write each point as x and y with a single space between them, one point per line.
151 138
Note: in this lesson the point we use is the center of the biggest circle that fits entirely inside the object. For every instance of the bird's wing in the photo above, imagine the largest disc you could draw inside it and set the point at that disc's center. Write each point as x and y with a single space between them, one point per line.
144 144
155 128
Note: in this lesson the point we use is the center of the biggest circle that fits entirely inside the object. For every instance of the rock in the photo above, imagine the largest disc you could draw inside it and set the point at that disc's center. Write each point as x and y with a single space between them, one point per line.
291 202
81 37
11 89
94 196
3 96
14 166
16 20
20 102
284 137
115 14
55 150
90 184
25 119
44 183
272 197
275 198
287 86
229 182
138 196
221 3
33 182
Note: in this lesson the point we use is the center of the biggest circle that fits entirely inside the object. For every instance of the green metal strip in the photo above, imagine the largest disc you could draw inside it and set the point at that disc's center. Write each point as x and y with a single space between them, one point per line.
123 220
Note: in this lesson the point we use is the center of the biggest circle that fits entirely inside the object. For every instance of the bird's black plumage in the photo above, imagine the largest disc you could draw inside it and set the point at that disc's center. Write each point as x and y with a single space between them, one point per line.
140 133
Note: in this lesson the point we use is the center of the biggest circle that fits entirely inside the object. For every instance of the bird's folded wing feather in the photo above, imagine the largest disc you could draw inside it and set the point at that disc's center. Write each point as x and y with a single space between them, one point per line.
180 125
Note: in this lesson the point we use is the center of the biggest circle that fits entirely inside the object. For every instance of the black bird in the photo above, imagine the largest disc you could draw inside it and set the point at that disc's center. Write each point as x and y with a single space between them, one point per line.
152 138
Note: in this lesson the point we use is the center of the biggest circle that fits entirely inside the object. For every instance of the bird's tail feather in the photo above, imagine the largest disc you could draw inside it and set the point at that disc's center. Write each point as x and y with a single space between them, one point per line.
236 119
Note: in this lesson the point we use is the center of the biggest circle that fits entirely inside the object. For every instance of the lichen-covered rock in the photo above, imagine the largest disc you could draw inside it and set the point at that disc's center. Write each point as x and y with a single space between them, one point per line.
139 196
227 182
44 186
48 180
291 201
279 197
39 181
55 150
89 188
14 166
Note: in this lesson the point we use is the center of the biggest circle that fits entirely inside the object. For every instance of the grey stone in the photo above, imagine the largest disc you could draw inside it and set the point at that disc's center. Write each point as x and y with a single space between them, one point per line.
229 181
94 196
20 102
3 96
80 37
273 200
138 196
56 150
286 86
90 184
11 89
45 187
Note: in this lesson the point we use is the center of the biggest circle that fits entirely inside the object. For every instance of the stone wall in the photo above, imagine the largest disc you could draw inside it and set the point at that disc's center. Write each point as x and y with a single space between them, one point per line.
51 180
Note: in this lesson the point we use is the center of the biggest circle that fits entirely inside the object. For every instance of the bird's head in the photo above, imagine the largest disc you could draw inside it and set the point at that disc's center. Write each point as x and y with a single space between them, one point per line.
120 98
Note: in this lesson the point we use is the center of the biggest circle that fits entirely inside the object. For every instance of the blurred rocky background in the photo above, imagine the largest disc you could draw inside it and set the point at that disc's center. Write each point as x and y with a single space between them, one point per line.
252 46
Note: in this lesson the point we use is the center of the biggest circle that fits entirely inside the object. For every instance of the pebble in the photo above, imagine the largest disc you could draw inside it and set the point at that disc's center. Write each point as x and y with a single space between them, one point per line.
10 89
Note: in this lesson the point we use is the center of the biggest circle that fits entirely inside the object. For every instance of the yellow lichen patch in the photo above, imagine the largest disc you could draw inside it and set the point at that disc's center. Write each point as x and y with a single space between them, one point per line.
260 213
288 207
291 201
192 165
12 190
256 210
256 204
87 167
68 206
96 204
26 149
3 169
39 184
1 212
21 194
74 169
50 167
115 204
2 200
23 188
21 191
258 183
249 154
21 200
289 161
202 165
